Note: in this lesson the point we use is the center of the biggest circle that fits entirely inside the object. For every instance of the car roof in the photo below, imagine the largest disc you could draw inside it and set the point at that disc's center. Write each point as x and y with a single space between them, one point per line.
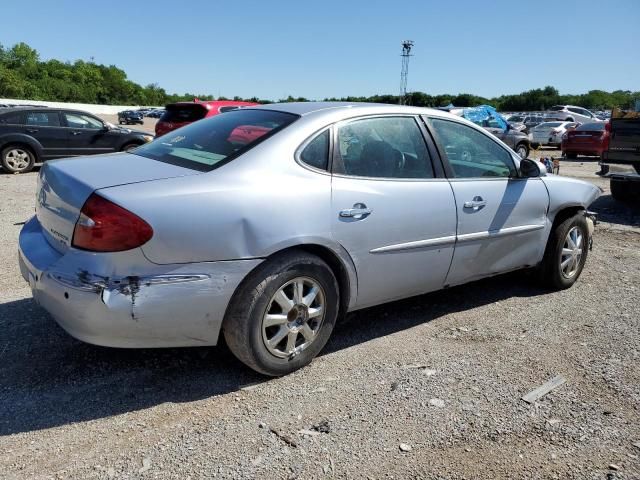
357 108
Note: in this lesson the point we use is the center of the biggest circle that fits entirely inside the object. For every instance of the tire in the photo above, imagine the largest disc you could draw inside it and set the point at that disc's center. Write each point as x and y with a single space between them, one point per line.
17 159
624 190
552 273
572 156
522 149
535 146
248 337
129 146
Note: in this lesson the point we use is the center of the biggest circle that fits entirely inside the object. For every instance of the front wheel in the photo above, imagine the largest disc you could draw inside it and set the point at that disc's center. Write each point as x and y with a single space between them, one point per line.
17 159
566 253
283 313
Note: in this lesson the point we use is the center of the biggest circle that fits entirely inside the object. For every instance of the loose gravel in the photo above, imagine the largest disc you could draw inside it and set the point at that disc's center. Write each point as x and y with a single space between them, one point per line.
429 387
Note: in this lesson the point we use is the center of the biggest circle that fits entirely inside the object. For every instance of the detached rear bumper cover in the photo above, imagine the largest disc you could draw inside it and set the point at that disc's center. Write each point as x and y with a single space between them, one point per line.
182 305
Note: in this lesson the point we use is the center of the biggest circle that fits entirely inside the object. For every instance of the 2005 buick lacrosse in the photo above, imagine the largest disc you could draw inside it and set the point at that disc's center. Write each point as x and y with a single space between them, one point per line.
268 223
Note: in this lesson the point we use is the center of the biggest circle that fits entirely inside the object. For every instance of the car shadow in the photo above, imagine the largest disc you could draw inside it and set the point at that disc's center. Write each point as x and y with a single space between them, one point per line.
613 211
48 379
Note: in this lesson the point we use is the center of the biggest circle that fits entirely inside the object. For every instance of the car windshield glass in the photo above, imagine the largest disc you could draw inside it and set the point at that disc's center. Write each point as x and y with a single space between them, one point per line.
592 126
212 142
179 113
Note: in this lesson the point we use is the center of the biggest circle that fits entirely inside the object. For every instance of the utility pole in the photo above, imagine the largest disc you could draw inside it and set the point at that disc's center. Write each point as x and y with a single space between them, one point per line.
407 45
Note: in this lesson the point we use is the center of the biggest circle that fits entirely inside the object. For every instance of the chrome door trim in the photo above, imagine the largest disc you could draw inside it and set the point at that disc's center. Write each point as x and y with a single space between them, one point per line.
399 247
468 237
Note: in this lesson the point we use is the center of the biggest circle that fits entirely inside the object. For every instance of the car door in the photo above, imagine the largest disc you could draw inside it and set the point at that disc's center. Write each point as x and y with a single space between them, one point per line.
87 135
501 216
392 211
46 128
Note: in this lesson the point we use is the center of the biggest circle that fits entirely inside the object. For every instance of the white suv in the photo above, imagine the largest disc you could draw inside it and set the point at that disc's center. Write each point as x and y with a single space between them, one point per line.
570 113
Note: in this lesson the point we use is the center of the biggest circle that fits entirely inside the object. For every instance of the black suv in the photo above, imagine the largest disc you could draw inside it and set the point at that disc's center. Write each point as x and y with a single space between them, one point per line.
33 135
129 117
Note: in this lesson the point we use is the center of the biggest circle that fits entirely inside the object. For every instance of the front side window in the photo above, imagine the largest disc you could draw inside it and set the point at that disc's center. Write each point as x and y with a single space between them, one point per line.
387 147
471 153
316 153
78 120
42 119
212 142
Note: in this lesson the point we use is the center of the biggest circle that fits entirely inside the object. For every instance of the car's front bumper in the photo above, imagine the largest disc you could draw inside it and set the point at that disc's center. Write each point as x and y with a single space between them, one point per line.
153 306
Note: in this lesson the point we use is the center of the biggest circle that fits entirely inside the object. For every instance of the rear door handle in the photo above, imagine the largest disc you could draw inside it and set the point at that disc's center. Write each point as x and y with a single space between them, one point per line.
76 133
476 204
358 211
32 130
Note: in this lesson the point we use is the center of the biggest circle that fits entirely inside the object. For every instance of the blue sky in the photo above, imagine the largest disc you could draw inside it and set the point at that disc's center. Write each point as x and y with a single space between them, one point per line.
273 48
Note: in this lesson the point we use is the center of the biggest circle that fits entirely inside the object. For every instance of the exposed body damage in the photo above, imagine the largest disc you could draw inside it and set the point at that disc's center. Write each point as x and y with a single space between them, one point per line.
166 305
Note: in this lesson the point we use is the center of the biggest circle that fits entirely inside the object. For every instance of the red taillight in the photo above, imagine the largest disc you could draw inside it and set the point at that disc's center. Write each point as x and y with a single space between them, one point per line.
104 226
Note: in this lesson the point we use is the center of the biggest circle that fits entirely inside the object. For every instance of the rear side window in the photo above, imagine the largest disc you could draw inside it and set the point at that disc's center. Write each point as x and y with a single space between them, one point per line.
316 153
10 119
42 119
214 141
183 113
386 147
471 153
592 127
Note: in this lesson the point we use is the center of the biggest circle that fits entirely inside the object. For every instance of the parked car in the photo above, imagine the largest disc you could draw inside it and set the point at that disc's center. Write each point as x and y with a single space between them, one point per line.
590 139
157 113
179 114
570 113
33 135
550 133
130 117
623 151
493 122
335 207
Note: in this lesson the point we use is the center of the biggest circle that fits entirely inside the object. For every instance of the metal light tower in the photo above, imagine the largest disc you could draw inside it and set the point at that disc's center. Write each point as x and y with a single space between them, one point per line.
404 73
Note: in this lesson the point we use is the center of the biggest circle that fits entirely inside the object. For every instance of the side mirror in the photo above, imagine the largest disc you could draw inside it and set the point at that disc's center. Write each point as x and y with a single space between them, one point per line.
531 169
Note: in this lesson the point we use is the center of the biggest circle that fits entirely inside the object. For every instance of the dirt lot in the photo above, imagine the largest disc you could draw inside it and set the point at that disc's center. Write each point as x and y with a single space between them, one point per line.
442 373
148 125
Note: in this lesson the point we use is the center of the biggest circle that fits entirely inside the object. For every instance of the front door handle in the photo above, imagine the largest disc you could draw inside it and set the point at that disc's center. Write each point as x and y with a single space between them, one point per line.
76 133
32 130
358 211
476 204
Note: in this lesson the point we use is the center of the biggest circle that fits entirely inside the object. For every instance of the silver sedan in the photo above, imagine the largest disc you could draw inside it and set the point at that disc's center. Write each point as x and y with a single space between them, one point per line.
269 223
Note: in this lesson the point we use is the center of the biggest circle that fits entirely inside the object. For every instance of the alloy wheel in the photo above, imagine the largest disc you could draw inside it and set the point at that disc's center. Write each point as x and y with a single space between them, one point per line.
17 159
571 252
293 317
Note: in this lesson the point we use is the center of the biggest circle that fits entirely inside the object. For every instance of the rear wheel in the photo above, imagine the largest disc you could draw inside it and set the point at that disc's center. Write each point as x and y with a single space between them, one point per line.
522 150
129 146
566 253
17 159
624 190
282 315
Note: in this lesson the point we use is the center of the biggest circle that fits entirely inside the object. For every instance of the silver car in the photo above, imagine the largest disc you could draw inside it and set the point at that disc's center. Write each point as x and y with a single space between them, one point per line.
267 224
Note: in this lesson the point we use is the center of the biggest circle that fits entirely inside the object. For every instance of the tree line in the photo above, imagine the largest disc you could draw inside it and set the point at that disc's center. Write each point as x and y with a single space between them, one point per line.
24 75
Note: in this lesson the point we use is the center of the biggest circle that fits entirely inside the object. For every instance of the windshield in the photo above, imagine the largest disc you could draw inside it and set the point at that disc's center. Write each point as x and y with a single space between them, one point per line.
210 143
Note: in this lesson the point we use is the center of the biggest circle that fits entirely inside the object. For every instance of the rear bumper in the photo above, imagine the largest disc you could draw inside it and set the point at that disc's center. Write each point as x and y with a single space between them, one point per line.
154 306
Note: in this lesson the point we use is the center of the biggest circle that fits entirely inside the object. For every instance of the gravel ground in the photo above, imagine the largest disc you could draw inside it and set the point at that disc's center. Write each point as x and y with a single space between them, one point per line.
428 387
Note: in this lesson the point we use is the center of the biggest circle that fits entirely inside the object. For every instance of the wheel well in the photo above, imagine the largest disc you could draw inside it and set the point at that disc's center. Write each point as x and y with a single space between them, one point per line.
24 145
565 213
128 144
337 267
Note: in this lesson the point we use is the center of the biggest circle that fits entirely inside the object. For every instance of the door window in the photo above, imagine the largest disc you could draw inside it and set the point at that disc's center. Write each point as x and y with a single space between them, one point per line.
316 153
10 119
471 153
42 119
387 147
77 120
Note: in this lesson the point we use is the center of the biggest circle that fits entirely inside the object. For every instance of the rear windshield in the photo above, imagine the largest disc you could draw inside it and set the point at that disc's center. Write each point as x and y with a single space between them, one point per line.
183 113
592 127
211 143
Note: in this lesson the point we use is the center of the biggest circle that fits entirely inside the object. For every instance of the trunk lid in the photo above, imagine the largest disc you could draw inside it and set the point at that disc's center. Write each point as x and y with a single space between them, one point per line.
64 186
